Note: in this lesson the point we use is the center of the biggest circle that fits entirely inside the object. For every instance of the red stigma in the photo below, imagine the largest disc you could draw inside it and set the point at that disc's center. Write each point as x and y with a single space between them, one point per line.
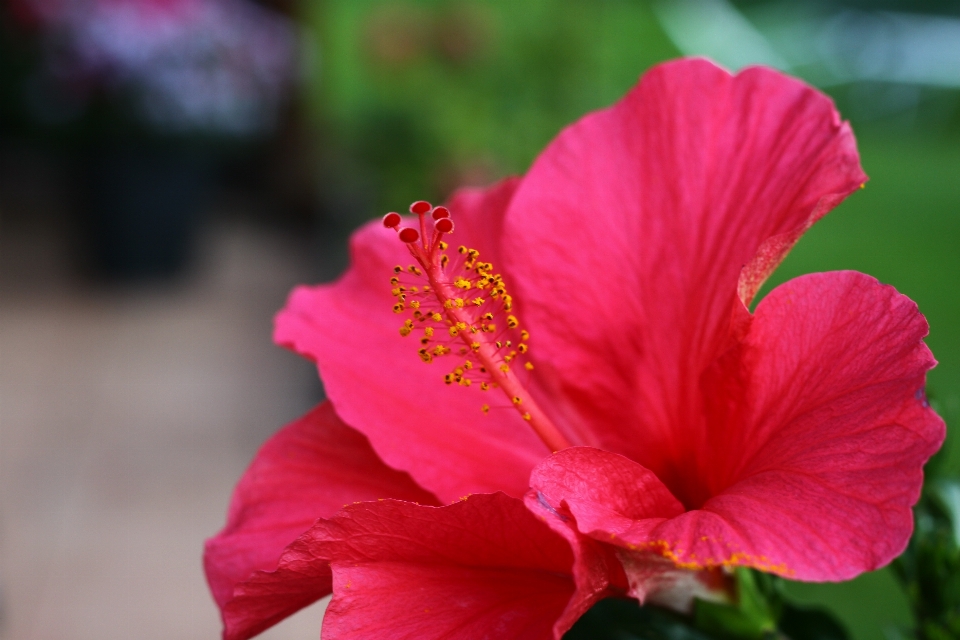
409 235
391 220
420 207
441 212
444 225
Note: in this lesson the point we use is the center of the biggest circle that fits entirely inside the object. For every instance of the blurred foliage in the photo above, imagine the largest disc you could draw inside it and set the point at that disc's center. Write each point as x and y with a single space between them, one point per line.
930 567
421 96
760 612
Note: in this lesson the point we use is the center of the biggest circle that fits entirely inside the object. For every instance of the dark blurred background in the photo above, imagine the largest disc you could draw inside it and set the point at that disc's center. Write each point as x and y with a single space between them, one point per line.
170 168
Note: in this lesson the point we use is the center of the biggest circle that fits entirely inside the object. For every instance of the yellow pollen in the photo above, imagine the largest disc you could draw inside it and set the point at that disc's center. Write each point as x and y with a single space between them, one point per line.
448 378
512 322
528 366
468 365
441 350
462 283
454 332
443 246
444 259
397 269
458 371
415 304
398 308
477 301
424 341
526 416
458 302
517 400
414 270
405 331
484 386
394 280
522 348
448 304
436 317
488 316
425 356
428 331
485 408
475 346
465 382
461 249
504 368
524 334
490 328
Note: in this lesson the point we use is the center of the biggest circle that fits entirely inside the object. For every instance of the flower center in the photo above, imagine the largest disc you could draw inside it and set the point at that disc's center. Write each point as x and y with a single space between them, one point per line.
463 313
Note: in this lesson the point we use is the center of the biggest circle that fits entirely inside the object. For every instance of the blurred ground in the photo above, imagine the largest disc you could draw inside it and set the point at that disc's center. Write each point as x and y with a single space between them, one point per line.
127 415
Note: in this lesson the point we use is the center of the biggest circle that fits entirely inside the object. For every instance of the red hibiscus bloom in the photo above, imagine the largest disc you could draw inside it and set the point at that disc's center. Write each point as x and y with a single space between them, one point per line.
588 364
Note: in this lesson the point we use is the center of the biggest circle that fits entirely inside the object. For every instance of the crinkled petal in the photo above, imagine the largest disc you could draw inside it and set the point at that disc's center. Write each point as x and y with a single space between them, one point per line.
483 567
379 385
310 469
614 500
818 457
632 232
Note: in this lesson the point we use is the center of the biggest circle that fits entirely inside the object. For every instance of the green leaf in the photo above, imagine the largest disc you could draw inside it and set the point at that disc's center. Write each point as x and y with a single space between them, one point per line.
752 617
807 623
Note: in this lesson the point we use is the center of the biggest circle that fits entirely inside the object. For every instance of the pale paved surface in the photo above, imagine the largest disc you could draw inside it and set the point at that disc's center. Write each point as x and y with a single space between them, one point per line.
125 419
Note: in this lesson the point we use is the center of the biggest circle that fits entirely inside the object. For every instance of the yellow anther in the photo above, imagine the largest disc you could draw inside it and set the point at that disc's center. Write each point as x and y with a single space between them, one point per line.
473 253
441 350
458 371
405 331
499 344
414 270
424 341
524 334
458 302
461 249
504 368
444 259
526 416
396 291
454 332
508 358
484 386
477 301
522 348
428 331
436 317
415 304
448 378
466 382
425 356
517 400
443 246
475 346
485 408
462 326
490 328
394 280
414 289
399 307
468 365
426 288
448 304
528 366
488 316
397 269
512 322
462 283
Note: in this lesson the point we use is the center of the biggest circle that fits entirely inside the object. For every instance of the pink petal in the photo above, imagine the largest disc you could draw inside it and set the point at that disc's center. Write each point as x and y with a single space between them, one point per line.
380 387
308 470
815 457
614 500
483 567
630 235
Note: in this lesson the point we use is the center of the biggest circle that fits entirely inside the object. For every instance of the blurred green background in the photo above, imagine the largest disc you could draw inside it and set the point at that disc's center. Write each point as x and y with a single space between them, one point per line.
400 100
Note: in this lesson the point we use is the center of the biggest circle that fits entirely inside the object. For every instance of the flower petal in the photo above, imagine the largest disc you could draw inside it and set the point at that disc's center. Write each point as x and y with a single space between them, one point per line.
483 567
817 463
820 463
308 470
628 238
378 384
614 500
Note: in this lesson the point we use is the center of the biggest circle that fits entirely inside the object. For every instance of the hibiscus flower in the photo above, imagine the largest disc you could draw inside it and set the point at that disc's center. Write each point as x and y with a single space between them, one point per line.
553 390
